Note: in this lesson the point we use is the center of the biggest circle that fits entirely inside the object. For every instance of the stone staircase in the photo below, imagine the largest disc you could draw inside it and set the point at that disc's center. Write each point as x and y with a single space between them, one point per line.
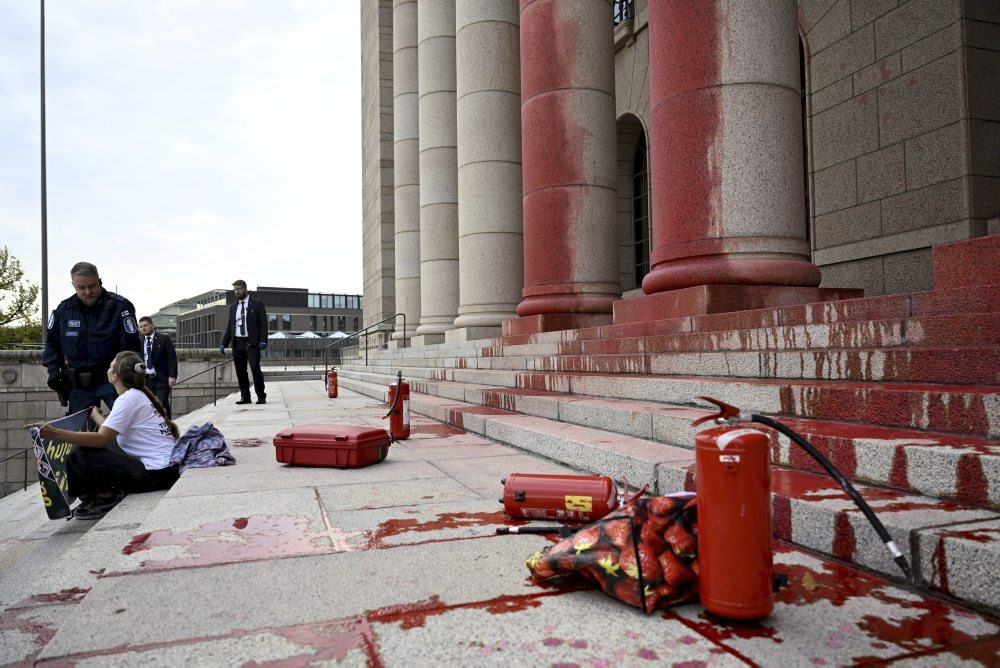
901 392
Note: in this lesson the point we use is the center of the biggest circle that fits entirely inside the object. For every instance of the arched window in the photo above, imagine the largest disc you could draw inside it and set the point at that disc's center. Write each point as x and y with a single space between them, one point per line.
640 210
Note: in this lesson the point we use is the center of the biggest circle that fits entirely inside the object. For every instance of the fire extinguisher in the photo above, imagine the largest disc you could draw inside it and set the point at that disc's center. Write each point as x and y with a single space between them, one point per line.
399 409
331 383
733 486
567 498
734 521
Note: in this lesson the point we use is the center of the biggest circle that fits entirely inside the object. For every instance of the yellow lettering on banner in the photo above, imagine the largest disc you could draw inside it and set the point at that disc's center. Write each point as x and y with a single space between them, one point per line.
581 503
58 450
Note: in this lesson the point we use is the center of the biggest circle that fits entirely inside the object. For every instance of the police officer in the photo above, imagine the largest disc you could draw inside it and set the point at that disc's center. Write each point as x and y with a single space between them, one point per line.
85 332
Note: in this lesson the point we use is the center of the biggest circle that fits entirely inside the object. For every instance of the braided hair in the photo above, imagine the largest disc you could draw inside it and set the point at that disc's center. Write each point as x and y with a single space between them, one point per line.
132 372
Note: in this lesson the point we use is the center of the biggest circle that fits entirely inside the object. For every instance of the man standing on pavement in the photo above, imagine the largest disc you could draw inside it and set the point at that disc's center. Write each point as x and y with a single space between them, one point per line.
247 329
160 358
85 332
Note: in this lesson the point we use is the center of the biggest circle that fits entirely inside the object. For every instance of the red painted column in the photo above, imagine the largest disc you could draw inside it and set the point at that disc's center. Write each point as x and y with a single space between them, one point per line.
726 146
568 149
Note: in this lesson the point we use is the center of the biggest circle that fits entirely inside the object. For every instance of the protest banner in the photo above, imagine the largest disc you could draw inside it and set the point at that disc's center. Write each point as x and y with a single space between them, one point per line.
50 455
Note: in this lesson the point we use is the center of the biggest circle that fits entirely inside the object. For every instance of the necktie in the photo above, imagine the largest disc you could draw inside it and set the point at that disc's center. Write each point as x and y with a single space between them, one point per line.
149 348
243 319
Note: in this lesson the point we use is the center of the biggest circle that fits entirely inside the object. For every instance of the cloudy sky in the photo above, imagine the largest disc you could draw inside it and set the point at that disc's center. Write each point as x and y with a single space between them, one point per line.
190 143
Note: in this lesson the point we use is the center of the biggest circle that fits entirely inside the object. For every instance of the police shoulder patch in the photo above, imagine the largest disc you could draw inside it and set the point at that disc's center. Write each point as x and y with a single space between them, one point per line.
130 325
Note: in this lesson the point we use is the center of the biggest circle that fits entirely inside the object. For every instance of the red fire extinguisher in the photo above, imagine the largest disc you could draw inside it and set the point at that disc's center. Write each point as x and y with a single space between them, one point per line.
733 486
399 409
568 498
331 383
732 470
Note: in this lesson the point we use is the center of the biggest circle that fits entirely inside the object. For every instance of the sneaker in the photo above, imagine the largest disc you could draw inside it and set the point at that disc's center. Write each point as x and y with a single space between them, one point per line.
98 507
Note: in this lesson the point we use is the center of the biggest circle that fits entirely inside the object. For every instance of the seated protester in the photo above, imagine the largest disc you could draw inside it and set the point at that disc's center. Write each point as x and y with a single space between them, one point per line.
101 477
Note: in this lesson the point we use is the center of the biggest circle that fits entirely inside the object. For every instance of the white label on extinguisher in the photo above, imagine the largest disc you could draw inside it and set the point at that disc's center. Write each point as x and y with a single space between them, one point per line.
723 441
729 459
406 412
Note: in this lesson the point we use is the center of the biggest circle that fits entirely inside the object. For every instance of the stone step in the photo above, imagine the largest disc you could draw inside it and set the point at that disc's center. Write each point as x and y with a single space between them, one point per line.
971 262
968 329
964 409
961 300
958 366
948 466
953 548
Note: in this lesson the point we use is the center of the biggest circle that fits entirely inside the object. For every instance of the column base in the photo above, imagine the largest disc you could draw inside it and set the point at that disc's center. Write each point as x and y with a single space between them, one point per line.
401 343
706 299
422 340
462 334
536 324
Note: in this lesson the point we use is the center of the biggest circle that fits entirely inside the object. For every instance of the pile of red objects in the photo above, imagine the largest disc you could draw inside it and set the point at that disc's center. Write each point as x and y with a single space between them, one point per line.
644 553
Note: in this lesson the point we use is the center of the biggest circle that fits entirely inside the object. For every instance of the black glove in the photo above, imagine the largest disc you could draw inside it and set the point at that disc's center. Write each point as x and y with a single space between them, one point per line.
222 349
262 345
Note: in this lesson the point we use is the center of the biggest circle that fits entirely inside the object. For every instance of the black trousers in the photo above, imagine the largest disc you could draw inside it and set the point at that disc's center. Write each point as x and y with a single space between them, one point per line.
100 470
162 391
243 352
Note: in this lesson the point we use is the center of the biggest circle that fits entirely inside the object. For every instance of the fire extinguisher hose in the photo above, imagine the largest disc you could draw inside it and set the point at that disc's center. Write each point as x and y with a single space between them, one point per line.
395 397
835 473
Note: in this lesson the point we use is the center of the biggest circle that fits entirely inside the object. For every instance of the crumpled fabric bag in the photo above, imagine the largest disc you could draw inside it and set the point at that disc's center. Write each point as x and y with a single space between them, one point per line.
644 553
201 446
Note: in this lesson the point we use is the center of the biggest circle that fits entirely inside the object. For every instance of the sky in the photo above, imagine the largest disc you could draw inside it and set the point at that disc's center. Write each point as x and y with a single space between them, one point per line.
189 143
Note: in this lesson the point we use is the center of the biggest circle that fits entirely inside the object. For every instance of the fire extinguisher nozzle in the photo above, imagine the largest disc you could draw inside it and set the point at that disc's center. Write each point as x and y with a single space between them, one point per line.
503 481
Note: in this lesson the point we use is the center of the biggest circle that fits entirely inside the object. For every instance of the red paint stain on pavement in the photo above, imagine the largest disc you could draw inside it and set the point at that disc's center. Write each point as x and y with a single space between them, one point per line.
436 429
243 539
396 527
72 595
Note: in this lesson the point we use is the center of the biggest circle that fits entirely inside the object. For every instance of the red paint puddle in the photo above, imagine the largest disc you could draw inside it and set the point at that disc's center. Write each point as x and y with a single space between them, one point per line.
929 620
242 539
396 527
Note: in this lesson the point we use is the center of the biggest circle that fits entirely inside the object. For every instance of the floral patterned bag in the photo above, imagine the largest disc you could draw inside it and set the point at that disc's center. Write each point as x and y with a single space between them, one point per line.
644 554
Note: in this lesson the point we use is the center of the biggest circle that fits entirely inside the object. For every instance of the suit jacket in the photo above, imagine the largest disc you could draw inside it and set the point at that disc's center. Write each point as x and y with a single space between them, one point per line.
163 356
256 323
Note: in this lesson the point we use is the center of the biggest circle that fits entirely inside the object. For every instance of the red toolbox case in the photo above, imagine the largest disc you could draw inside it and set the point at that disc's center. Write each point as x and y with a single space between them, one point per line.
336 445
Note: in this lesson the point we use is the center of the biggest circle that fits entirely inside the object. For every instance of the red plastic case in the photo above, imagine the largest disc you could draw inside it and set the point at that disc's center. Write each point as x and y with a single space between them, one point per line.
333 445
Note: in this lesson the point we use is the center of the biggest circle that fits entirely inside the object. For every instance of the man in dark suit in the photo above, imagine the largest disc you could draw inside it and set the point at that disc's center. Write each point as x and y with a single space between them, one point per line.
161 362
247 330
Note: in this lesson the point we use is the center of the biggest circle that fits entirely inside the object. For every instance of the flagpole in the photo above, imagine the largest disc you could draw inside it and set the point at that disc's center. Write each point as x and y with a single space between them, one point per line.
45 211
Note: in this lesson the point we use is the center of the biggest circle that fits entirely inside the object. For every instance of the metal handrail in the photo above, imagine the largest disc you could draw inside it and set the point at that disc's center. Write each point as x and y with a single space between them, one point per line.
215 379
21 453
365 332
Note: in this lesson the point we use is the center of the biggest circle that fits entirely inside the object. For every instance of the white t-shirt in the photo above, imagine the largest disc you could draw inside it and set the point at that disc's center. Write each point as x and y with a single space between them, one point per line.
142 432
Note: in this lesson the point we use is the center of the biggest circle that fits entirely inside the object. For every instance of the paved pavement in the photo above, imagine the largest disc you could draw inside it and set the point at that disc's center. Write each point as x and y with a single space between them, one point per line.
398 564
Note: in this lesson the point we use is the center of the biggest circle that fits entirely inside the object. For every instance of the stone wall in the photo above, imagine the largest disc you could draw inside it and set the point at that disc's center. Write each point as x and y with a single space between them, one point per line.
378 230
889 123
24 398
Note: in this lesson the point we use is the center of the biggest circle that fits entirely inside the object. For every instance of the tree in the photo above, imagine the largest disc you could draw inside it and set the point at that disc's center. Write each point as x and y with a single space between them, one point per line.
17 296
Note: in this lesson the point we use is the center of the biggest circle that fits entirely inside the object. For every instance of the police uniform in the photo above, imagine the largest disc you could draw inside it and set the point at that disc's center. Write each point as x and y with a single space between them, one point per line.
82 341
